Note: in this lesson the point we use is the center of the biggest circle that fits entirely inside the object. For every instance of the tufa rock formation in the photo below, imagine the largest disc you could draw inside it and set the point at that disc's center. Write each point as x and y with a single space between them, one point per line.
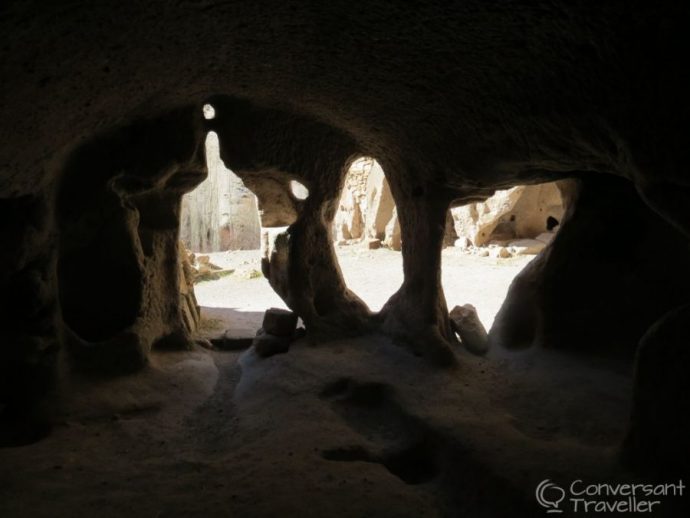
221 213
466 323
521 212
366 209
102 134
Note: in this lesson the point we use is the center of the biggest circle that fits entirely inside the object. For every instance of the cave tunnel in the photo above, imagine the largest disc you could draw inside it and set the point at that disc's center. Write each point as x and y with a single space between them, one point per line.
574 400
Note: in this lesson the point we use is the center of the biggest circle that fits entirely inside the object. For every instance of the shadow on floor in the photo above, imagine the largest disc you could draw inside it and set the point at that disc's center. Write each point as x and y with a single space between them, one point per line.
229 328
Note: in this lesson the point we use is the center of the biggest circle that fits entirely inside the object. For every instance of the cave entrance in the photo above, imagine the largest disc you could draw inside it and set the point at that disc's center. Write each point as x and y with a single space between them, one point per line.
221 231
485 244
494 241
366 234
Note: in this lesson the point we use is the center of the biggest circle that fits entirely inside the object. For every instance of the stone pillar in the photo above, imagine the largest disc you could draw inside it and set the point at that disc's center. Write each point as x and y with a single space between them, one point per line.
417 313
269 148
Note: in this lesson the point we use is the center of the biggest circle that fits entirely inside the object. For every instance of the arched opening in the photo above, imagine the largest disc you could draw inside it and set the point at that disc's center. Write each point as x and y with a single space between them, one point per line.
99 273
220 229
486 244
366 232
299 190
221 214
495 240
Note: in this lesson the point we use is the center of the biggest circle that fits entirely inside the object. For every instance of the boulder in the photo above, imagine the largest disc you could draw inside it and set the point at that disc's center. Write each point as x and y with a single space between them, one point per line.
380 203
279 322
467 325
191 313
477 221
373 244
463 243
266 344
527 246
449 236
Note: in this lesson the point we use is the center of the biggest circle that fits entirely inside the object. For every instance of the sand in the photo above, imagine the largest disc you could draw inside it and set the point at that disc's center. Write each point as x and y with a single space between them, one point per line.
238 301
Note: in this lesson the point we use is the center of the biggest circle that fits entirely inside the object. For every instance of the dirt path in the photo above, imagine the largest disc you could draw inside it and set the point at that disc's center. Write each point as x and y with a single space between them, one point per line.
239 300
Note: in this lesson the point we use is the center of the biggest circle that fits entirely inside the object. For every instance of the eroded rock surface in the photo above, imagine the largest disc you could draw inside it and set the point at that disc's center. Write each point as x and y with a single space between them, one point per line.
467 325
102 134
520 212
221 213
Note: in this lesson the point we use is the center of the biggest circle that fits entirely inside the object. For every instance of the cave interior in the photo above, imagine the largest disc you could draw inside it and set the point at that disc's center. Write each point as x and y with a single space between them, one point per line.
109 404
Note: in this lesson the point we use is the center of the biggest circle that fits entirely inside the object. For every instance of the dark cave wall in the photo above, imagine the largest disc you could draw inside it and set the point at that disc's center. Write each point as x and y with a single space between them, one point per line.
478 87
29 342
613 269
614 282
658 432
118 211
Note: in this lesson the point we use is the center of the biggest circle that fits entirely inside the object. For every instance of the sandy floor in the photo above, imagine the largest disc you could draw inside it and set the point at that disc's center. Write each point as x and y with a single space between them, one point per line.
351 428
238 301
356 428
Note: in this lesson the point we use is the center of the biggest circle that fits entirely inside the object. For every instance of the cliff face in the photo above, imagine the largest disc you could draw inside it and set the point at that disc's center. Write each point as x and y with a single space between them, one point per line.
221 213
366 210
520 212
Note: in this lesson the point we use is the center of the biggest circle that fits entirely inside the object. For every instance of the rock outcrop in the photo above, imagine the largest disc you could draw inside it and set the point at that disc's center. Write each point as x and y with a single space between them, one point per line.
221 213
277 331
118 209
191 312
519 212
366 209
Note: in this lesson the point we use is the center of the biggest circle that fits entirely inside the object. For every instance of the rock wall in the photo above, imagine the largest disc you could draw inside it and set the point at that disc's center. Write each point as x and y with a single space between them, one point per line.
520 212
117 214
381 219
350 218
366 209
221 213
